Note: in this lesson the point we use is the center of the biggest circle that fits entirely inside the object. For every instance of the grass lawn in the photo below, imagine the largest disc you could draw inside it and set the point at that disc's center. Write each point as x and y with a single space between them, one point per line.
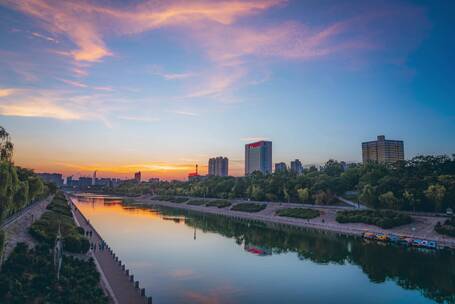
381 218
197 202
172 199
303 213
218 203
249 207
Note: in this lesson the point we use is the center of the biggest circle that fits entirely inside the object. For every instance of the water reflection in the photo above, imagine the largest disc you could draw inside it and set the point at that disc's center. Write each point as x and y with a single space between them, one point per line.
217 273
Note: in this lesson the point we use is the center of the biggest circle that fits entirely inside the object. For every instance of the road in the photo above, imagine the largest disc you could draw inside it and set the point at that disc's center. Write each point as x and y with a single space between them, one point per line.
16 226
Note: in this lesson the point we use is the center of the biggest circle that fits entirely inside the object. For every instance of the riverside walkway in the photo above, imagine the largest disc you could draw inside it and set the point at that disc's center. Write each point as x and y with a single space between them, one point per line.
116 279
421 228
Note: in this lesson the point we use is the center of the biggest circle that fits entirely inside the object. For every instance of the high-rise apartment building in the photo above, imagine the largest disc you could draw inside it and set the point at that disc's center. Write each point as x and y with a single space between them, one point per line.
218 166
296 167
258 157
382 150
280 167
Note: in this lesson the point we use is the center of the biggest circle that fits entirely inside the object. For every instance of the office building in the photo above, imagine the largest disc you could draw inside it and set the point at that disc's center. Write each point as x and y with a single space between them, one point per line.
296 167
218 166
137 177
258 157
382 150
280 167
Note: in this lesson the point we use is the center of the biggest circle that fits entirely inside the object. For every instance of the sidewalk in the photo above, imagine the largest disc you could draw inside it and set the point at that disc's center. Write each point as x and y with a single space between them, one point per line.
118 280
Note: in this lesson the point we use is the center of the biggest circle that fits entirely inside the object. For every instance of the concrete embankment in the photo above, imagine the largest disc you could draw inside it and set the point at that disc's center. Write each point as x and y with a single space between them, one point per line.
421 228
117 280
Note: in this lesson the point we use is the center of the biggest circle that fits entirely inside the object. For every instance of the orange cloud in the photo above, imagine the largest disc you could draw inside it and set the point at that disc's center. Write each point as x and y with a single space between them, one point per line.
7 92
86 23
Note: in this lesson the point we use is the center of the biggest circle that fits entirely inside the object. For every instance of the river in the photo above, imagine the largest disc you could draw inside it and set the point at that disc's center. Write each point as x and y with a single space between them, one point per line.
184 257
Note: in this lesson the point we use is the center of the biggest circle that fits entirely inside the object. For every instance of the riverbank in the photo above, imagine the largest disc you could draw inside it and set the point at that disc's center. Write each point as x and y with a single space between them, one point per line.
117 280
422 227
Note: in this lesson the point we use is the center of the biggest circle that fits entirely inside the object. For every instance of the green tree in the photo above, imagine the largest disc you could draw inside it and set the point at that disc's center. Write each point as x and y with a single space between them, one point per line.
6 146
304 195
436 194
388 200
368 196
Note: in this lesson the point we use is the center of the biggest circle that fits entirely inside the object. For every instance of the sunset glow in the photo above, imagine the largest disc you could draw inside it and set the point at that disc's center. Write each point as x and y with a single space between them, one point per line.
160 86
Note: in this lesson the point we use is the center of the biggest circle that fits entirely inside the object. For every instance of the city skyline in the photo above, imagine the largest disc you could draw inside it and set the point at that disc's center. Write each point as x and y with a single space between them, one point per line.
158 87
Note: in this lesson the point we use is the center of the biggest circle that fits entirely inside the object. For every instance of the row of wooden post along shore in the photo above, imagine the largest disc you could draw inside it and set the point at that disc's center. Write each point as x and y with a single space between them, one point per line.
118 282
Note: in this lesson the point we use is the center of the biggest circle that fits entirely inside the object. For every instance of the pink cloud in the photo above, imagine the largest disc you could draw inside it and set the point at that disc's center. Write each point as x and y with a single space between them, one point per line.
85 23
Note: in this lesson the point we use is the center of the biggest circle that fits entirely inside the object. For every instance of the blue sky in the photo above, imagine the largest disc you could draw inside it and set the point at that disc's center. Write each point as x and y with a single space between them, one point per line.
160 86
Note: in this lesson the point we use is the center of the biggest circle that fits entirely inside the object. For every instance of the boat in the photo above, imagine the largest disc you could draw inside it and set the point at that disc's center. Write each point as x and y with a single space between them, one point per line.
381 237
369 235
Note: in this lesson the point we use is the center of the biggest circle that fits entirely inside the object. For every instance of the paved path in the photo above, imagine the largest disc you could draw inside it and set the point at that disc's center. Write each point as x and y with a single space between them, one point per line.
422 227
16 226
351 203
116 279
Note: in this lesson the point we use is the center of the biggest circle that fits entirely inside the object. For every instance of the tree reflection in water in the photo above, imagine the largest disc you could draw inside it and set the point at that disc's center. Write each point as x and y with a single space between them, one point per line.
431 272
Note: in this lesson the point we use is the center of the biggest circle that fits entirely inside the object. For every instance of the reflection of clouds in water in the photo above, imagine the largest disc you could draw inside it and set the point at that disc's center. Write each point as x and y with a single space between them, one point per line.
219 295
140 264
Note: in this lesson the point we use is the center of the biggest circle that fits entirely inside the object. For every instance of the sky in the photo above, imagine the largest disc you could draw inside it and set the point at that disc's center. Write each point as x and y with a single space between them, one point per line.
159 86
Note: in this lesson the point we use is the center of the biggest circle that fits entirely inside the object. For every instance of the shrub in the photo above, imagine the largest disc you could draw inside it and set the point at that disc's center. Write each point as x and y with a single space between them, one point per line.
59 215
196 202
447 228
383 218
303 213
218 203
249 207
172 199
28 276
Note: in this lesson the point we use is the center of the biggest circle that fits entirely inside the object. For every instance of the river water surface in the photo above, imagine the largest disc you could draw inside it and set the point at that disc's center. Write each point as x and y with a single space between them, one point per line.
183 257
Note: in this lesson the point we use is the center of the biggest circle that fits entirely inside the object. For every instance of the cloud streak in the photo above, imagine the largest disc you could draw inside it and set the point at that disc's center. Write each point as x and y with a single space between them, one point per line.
86 23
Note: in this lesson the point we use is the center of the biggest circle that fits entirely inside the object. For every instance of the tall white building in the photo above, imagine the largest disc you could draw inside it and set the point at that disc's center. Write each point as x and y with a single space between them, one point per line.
219 166
258 157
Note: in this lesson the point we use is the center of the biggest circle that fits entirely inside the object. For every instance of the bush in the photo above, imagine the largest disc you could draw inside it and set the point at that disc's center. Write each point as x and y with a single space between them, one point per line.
448 228
303 213
196 202
172 199
249 207
382 218
28 276
218 203
59 215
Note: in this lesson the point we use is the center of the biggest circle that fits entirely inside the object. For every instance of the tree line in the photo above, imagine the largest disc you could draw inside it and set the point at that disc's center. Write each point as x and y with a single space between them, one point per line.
18 186
424 183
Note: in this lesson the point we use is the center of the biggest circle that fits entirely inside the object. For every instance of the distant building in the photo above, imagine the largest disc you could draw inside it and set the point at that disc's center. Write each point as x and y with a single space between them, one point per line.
137 177
258 157
382 150
55 178
94 178
193 176
85 182
280 167
296 167
154 180
218 166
